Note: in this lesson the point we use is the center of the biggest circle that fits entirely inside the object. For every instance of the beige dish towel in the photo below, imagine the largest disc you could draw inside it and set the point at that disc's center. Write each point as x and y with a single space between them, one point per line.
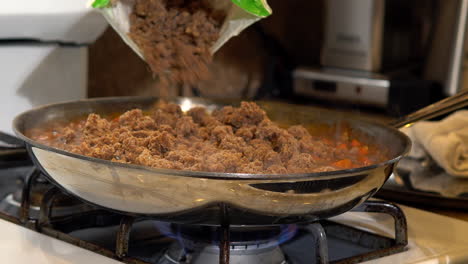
446 141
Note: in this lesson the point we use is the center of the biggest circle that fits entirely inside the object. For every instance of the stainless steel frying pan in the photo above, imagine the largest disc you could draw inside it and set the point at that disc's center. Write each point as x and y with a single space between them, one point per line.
202 197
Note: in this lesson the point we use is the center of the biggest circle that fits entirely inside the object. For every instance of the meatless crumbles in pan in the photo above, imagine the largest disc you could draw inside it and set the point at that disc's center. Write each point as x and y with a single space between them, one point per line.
234 140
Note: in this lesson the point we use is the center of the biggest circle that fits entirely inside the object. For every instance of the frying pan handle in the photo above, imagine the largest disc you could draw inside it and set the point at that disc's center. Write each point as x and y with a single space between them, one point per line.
445 106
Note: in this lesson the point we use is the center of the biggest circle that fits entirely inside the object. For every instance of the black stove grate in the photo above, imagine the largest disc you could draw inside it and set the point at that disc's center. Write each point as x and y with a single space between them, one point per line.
320 239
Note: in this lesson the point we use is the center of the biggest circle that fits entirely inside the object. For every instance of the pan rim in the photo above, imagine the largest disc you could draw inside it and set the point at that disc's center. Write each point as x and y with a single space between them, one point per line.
19 119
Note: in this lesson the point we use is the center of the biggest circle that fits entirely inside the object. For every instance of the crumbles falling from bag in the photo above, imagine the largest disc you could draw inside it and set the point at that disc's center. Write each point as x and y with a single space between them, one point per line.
175 37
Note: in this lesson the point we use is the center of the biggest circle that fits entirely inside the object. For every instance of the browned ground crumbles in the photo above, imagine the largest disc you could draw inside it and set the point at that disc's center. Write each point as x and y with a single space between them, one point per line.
175 37
237 140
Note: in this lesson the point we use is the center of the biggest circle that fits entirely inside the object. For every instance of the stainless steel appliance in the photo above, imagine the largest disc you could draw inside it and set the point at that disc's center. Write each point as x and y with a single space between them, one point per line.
370 35
375 51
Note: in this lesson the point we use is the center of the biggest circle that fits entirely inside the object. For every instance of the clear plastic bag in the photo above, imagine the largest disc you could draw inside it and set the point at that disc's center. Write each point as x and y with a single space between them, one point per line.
239 15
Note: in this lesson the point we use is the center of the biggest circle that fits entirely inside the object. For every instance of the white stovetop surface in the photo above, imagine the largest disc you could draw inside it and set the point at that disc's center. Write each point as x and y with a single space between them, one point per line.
432 239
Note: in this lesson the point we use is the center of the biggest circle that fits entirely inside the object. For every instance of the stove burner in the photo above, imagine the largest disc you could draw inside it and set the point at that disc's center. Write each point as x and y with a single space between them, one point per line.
199 244
11 205
208 254
37 186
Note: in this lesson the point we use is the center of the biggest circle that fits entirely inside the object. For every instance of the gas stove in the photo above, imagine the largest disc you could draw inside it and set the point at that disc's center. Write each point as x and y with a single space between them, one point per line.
41 224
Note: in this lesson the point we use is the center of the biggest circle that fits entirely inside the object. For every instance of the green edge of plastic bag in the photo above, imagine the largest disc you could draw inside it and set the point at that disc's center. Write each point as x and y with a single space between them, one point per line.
256 7
100 3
